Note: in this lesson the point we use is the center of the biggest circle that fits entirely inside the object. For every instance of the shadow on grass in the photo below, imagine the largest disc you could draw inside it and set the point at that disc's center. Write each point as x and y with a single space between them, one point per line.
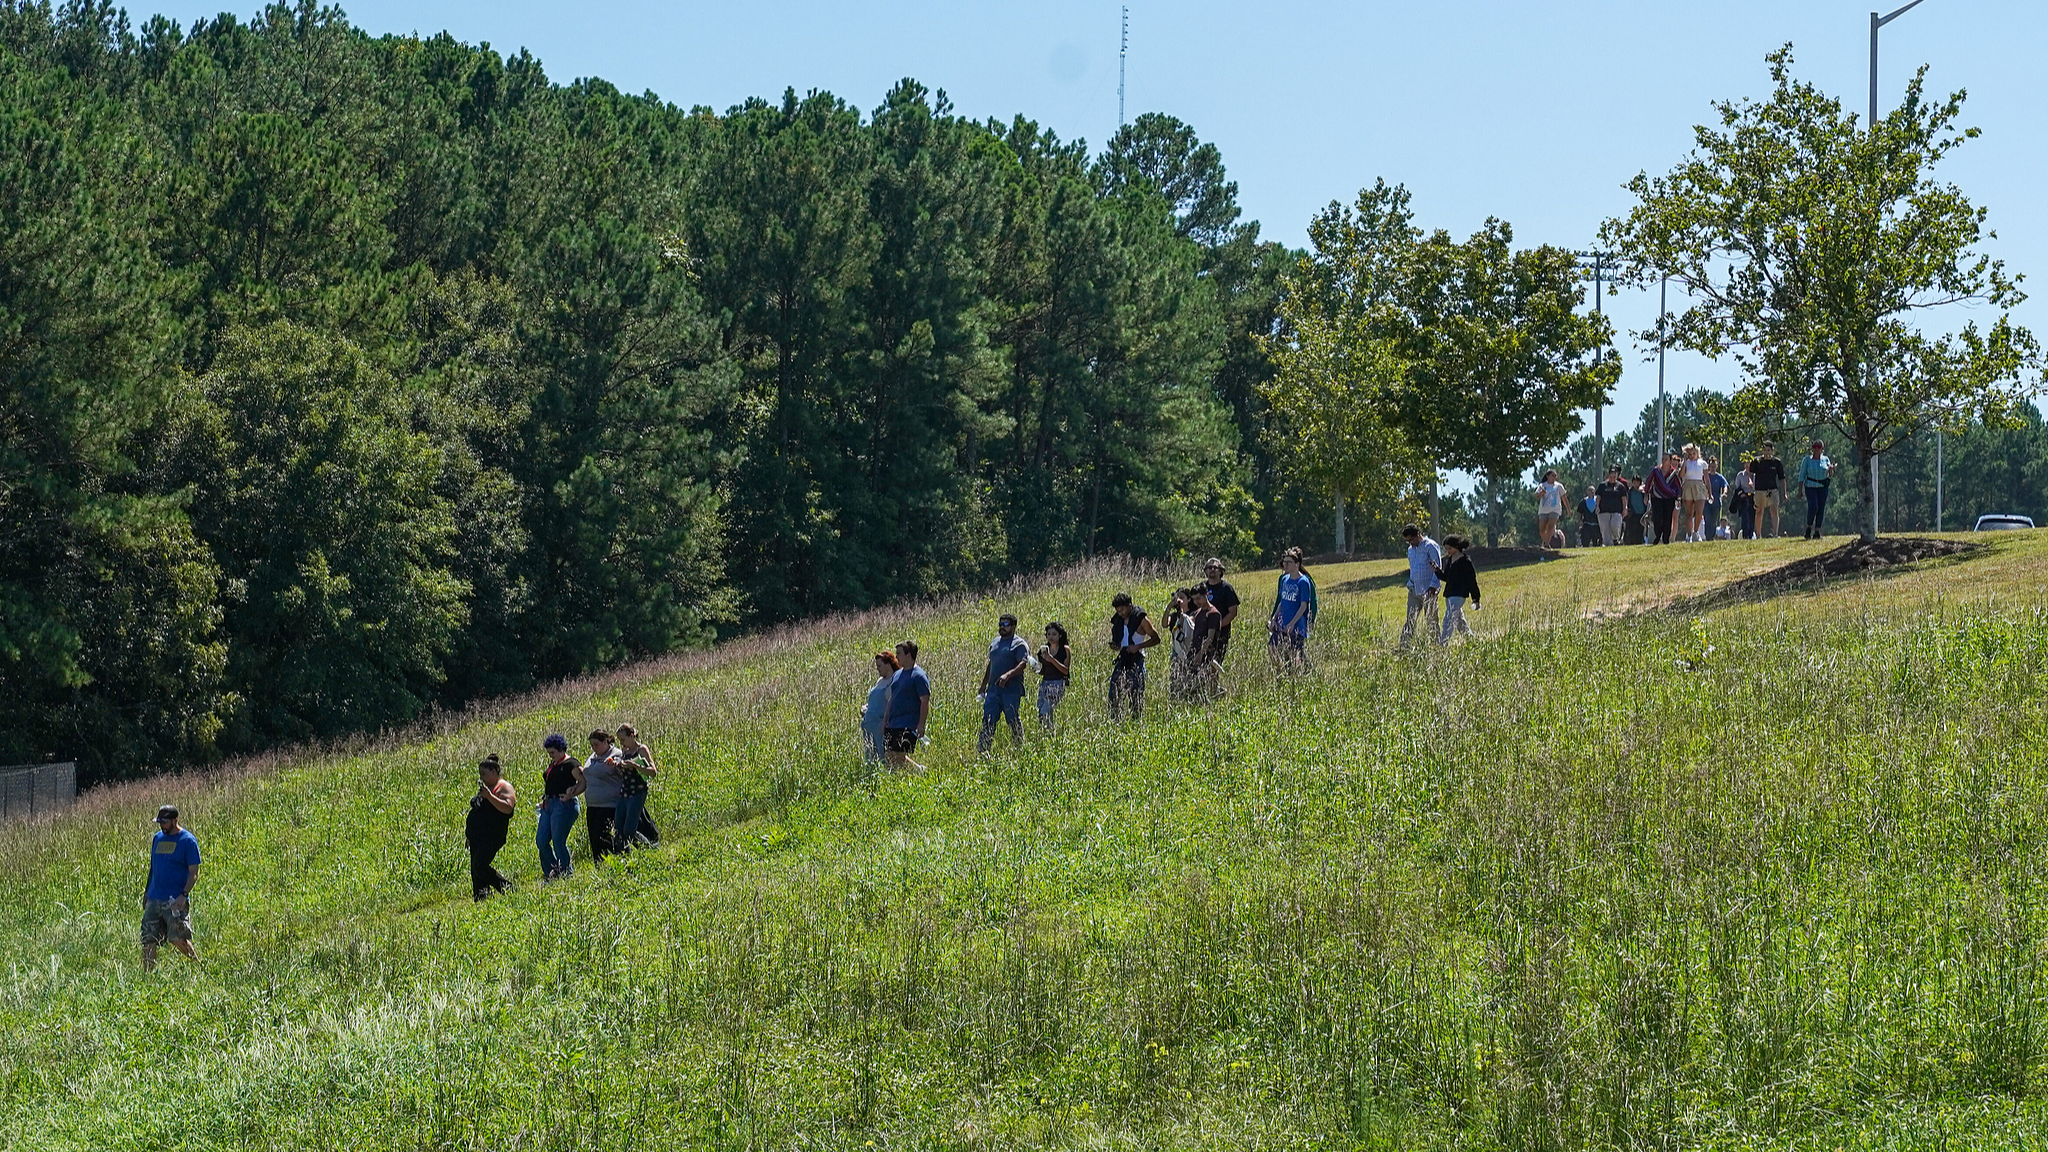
1484 559
1885 557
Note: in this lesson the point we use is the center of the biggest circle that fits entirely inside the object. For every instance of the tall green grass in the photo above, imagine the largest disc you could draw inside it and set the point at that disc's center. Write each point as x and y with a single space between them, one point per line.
1766 879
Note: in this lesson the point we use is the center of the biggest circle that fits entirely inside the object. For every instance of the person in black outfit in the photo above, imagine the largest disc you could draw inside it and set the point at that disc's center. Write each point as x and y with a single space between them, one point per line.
1130 633
1769 495
1225 600
1461 583
490 814
1611 503
1055 659
1589 520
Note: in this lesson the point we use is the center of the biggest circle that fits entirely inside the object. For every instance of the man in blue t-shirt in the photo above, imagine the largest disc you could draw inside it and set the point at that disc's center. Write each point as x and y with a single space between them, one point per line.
1002 684
167 897
908 710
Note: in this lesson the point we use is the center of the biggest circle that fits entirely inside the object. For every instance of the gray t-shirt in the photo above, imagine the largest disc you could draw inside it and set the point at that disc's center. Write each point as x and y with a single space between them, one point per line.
603 783
1004 655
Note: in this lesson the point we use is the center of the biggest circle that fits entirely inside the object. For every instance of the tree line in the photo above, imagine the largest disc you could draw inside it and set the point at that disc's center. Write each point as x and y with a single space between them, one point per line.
346 377
343 377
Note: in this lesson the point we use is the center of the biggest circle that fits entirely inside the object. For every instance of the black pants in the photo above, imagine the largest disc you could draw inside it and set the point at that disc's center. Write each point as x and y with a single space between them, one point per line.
1661 512
1816 508
598 822
485 879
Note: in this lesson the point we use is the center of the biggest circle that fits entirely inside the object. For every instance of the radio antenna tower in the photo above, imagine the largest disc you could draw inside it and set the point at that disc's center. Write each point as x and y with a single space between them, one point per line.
1123 49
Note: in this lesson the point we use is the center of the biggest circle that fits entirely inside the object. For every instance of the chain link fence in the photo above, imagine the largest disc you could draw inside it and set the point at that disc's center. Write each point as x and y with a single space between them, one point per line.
37 789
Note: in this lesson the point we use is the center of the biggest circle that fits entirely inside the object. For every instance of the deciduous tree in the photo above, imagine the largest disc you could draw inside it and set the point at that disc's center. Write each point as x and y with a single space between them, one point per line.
1811 244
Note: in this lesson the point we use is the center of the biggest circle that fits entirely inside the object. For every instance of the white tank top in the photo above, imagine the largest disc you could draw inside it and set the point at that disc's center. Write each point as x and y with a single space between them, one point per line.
1695 469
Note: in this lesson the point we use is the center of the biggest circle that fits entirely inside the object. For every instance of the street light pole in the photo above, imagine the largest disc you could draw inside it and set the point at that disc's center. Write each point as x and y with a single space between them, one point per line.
1877 22
1600 409
1598 265
1663 288
1937 479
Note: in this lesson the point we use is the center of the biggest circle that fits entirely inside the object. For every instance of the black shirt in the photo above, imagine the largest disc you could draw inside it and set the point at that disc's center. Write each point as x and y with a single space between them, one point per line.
1769 472
1612 495
1062 656
1461 579
485 825
559 778
1124 631
1224 598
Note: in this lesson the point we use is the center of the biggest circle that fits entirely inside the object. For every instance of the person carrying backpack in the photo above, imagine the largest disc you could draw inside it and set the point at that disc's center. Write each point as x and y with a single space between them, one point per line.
1294 609
1130 633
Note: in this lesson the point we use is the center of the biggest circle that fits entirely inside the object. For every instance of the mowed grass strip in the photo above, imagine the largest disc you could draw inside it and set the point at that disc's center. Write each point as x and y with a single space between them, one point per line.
1606 877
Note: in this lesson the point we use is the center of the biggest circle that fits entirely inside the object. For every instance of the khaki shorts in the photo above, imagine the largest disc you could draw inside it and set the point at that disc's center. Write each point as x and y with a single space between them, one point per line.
1766 498
161 922
1693 490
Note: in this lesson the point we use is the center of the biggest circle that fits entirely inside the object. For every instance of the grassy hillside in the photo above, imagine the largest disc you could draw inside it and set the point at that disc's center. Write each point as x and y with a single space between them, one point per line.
1607 876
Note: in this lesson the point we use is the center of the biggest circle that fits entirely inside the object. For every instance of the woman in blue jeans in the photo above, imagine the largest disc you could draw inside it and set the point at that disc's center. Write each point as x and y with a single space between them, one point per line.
562 779
637 768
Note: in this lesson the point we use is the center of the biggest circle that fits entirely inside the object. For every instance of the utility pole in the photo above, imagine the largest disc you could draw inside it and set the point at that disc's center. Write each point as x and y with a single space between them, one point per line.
1663 288
1123 50
1877 22
1598 262
1937 478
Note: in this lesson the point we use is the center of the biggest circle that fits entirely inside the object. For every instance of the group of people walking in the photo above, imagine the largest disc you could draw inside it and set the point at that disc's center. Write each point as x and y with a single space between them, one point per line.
1199 620
1684 499
608 790
1438 571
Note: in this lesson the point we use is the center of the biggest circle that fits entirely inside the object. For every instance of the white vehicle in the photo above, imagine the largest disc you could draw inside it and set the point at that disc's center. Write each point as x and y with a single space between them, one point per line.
2001 522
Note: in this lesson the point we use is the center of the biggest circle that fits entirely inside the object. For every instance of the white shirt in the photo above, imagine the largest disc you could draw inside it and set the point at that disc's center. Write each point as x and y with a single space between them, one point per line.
1695 469
1550 499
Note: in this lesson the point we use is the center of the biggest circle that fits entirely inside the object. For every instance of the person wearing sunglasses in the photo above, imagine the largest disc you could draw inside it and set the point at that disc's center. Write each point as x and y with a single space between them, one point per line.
167 895
1226 602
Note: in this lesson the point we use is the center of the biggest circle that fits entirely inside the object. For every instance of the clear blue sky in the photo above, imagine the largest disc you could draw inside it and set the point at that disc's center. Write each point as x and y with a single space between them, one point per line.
1533 112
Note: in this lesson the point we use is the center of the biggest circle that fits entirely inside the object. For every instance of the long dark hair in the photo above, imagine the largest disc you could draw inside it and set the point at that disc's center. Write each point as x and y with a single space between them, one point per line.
1300 567
1056 626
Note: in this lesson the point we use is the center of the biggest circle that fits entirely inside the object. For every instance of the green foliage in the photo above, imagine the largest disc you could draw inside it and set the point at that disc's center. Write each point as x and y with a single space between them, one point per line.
1338 377
320 505
1409 353
1499 360
1808 242
488 381
107 617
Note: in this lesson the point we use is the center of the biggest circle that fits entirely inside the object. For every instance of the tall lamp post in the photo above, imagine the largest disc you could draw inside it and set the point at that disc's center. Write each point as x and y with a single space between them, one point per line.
1663 288
1598 262
1877 22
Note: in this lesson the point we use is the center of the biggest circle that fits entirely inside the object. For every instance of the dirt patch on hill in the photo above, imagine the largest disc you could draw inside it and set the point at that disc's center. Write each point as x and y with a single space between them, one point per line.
1856 558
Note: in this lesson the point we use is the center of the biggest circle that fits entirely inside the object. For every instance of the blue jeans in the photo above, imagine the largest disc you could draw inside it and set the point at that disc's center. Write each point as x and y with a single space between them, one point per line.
1001 704
626 822
557 816
1816 508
